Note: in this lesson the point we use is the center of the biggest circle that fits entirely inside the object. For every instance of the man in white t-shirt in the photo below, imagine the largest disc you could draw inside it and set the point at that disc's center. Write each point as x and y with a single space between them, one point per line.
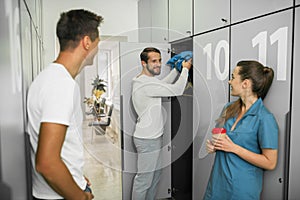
55 115
147 91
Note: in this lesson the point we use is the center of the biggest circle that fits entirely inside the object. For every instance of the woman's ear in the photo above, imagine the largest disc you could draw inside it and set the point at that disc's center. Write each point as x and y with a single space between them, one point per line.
246 84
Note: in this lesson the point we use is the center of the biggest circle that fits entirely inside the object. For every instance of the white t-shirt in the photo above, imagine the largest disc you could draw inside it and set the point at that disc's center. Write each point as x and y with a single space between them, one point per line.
54 96
146 97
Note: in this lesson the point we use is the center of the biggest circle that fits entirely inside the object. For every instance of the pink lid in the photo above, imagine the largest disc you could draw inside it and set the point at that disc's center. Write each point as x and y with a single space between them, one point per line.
219 131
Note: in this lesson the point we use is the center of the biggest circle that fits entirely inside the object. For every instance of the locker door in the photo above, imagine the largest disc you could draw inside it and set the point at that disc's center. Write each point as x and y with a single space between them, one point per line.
26 51
180 25
159 21
182 133
218 15
130 66
144 21
294 180
297 2
244 9
12 158
270 43
211 70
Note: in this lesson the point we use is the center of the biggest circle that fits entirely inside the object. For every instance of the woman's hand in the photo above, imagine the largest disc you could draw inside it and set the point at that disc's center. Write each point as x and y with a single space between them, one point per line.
224 144
210 147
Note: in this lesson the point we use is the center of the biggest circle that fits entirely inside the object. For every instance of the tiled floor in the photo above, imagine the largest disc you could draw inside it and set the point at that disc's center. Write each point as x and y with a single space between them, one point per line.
103 164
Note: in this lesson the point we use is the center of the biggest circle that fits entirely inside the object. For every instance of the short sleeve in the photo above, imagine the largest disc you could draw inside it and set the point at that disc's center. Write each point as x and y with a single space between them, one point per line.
268 132
57 103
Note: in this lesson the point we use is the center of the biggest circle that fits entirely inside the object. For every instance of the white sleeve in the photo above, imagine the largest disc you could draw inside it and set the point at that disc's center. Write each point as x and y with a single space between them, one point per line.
57 103
170 78
162 89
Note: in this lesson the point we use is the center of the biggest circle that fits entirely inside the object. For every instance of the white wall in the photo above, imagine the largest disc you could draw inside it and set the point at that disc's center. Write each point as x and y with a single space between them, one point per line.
120 19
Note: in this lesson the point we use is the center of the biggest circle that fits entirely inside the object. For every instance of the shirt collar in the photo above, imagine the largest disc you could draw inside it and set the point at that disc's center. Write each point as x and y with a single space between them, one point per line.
255 107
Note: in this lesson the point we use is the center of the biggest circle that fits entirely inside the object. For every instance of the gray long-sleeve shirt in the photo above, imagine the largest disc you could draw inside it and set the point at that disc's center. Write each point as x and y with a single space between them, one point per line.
146 96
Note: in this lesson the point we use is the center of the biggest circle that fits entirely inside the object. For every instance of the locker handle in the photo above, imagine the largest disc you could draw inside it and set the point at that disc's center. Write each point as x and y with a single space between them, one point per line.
224 20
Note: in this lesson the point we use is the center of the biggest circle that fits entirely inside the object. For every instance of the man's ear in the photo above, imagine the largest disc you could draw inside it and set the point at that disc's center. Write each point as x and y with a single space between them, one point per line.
143 63
86 42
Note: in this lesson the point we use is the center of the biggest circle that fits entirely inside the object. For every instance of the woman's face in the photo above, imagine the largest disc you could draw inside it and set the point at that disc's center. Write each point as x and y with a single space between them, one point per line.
236 84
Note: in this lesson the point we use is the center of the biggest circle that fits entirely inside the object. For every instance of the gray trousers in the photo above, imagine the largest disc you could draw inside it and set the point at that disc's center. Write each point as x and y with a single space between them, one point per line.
149 168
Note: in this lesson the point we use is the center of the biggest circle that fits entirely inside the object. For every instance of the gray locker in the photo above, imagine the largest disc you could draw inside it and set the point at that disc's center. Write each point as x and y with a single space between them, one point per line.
26 51
35 52
130 66
144 21
297 2
32 7
210 16
211 71
294 181
153 18
12 158
180 19
159 21
245 9
270 43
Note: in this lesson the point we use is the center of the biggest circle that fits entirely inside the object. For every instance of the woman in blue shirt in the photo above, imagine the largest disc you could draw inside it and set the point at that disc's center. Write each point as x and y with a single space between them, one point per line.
250 146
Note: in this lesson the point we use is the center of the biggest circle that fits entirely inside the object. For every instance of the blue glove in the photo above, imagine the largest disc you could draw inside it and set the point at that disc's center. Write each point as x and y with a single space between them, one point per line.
176 61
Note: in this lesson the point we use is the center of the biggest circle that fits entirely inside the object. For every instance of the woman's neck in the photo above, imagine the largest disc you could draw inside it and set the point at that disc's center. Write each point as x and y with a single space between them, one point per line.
249 101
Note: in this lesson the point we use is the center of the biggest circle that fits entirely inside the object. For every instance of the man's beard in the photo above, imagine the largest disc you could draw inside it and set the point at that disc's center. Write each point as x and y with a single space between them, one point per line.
152 71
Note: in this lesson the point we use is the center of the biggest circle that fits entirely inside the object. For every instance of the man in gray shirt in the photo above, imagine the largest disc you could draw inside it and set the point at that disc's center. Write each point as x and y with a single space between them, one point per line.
146 96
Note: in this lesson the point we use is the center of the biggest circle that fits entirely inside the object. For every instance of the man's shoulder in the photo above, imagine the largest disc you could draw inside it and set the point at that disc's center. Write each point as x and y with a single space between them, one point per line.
55 73
145 79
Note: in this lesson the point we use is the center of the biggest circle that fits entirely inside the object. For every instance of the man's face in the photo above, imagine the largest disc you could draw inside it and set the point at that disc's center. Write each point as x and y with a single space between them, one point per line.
154 63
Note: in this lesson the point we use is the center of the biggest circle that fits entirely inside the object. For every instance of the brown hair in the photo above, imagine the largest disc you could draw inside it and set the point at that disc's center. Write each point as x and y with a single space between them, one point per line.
144 55
261 78
75 24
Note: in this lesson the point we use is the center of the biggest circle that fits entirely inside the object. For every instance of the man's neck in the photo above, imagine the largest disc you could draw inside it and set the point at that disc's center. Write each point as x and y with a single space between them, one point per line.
71 63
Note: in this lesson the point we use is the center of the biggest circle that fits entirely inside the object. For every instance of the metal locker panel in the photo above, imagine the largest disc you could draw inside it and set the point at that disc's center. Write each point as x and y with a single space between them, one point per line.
130 66
153 21
180 25
210 16
268 40
294 180
244 9
297 2
182 132
26 52
144 20
182 145
11 102
211 71
159 21
164 187
35 54
27 80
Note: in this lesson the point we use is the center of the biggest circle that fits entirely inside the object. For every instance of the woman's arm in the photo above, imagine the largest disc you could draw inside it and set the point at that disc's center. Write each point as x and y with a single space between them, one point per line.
266 160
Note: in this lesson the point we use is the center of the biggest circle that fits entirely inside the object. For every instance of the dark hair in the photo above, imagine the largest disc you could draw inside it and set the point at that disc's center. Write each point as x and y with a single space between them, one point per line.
75 24
144 54
261 78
